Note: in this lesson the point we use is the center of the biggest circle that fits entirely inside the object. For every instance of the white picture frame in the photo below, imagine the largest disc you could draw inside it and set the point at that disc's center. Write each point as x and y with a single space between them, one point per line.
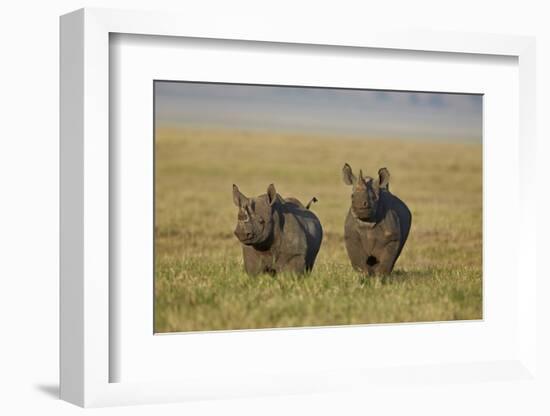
86 353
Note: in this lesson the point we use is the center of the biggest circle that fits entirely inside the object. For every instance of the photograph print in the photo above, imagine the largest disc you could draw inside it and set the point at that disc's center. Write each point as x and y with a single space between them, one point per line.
290 206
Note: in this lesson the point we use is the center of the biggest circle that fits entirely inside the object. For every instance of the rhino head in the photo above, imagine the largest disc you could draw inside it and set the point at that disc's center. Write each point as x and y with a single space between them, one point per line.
366 191
255 216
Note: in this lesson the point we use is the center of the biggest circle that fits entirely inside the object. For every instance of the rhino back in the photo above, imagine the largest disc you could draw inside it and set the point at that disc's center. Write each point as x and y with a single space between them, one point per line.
391 202
302 231
294 201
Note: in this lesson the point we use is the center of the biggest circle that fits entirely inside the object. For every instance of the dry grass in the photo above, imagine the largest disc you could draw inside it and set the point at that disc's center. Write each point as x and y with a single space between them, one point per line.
199 281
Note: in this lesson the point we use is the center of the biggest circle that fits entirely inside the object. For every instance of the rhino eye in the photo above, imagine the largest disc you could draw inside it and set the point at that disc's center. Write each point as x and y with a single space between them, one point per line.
261 220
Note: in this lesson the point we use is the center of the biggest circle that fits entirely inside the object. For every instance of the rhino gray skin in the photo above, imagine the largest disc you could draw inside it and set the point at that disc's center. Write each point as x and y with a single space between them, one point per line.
377 224
277 234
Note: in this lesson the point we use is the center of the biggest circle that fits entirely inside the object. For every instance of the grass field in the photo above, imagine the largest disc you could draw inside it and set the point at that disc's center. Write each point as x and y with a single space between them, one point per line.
199 280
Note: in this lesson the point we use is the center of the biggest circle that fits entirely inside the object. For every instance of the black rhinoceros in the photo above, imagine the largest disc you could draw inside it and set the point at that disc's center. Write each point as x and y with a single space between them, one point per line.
377 224
277 234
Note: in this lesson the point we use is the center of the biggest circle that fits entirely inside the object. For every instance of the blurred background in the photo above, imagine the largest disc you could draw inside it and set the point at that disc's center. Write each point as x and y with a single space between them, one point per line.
382 114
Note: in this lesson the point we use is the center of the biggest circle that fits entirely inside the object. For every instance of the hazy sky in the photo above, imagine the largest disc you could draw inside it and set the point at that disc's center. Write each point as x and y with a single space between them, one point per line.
320 110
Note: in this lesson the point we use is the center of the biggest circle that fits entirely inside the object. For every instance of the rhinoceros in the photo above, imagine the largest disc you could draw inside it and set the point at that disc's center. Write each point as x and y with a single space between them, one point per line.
277 234
377 224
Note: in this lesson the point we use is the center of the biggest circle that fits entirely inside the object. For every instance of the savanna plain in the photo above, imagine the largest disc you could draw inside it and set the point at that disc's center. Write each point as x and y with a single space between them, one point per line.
200 283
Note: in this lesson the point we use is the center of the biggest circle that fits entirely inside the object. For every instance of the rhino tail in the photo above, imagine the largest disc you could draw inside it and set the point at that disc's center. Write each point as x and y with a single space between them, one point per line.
311 201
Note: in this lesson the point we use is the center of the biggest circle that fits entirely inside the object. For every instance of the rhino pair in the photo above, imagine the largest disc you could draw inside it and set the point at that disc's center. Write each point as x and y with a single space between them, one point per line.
281 234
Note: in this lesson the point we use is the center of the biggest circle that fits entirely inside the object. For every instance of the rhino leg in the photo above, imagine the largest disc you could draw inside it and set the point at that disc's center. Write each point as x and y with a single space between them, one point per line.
386 259
253 264
295 264
356 254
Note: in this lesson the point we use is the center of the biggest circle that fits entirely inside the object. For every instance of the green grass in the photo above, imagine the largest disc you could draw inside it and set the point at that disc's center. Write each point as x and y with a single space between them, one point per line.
200 283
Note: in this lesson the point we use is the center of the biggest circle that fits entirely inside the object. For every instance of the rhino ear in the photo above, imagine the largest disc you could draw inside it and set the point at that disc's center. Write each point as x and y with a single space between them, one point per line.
238 198
384 179
271 194
348 176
